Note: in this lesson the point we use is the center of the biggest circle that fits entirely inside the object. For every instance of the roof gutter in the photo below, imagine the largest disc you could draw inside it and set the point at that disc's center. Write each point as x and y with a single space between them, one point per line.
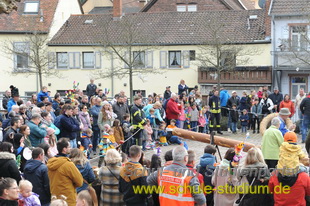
162 44
22 32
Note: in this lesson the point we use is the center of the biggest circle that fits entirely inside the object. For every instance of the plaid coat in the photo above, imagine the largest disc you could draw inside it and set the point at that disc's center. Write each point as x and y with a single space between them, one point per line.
109 186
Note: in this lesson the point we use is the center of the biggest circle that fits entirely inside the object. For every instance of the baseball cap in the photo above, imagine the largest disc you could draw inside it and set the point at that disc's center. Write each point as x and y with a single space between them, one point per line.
290 137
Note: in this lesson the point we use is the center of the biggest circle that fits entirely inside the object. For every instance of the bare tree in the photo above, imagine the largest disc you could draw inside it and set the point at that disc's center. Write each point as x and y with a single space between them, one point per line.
220 52
131 50
30 56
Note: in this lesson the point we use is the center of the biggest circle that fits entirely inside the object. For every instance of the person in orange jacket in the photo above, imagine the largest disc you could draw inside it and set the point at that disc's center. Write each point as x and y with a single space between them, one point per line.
287 103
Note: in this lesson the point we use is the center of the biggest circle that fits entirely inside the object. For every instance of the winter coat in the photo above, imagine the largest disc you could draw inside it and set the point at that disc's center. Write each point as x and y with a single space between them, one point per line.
305 106
94 111
69 127
109 176
222 177
138 118
85 119
42 94
288 104
88 175
244 104
247 175
167 94
11 102
157 114
91 89
118 134
5 101
271 142
8 167
120 110
276 98
172 110
233 100
132 174
4 202
182 88
256 110
234 115
64 178
245 119
267 105
8 132
32 200
194 114
110 118
224 96
37 134
36 172
207 160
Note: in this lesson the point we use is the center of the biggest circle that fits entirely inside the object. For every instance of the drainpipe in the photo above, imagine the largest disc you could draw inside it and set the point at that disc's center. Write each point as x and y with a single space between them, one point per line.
274 54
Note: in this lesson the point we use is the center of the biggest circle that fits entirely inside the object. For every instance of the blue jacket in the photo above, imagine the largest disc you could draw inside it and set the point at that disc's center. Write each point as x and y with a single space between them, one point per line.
282 127
36 172
207 160
224 96
41 95
243 104
55 105
94 111
68 127
256 110
146 110
10 104
37 134
246 118
88 174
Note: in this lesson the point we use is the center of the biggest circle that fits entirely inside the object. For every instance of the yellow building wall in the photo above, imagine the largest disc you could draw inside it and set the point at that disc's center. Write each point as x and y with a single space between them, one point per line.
149 82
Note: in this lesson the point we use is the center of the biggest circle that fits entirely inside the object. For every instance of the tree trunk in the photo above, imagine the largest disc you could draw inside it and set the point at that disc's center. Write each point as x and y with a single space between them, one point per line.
40 79
221 141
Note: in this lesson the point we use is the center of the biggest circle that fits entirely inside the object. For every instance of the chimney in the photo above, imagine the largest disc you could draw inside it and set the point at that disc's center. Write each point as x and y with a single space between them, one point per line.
117 9
267 19
142 3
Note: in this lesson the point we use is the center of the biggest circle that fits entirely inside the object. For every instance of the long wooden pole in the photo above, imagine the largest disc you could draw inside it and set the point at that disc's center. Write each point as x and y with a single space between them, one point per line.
221 141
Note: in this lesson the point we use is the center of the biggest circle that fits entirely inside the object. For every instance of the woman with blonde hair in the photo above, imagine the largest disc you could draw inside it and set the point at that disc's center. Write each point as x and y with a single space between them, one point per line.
255 174
109 176
81 162
106 116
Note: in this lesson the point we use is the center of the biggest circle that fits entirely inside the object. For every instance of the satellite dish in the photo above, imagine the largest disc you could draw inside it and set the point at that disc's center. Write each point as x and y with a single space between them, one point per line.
262 3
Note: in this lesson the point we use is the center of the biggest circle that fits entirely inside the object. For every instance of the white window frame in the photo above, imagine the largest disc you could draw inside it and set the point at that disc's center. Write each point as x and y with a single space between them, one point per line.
192 7
93 62
21 49
139 56
180 59
31 7
181 8
57 60
299 35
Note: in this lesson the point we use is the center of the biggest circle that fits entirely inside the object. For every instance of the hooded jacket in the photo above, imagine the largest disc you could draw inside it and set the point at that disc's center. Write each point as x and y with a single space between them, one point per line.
37 134
87 173
69 127
36 172
224 96
64 178
8 167
131 174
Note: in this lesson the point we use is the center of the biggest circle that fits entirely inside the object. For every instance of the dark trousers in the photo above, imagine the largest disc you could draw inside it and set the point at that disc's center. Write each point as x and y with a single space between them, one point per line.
254 122
271 163
215 117
96 136
138 136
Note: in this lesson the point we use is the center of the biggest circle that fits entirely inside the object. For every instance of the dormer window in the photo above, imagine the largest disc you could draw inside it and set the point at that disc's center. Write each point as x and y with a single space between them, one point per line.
31 7
187 7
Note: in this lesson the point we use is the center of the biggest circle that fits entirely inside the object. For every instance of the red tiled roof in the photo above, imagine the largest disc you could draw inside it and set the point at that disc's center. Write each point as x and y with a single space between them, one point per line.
17 22
162 28
290 7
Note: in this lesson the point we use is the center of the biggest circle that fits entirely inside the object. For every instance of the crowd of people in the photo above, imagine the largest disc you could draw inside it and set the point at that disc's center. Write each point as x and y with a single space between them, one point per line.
47 146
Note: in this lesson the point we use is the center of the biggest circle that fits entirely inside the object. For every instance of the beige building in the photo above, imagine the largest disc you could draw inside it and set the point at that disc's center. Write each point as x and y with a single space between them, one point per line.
44 17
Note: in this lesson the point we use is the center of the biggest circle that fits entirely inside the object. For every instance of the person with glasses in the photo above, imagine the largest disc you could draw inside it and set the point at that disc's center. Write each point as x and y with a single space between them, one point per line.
8 192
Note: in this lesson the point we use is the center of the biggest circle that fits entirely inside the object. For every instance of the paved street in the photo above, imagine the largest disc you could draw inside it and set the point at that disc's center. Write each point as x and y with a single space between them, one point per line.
199 146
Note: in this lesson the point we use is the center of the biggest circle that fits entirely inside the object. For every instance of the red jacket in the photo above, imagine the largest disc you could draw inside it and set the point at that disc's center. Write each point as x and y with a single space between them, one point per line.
172 110
288 104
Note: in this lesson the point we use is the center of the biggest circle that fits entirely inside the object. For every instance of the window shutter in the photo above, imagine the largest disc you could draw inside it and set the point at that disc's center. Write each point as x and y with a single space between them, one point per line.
77 60
185 58
126 57
149 59
15 61
51 56
163 59
71 60
97 60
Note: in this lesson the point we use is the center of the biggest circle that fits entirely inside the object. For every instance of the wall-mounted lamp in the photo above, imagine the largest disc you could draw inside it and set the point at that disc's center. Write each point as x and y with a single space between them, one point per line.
125 84
49 84
99 84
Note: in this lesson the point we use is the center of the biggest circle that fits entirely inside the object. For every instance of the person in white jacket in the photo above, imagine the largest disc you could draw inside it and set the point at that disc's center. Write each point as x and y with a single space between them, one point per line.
267 104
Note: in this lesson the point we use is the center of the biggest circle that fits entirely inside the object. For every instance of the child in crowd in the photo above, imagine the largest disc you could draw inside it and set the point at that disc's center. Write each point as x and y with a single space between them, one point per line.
171 138
194 115
207 115
26 195
51 140
104 145
108 130
187 111
127 133
147 136
162 135
244 119
182 116
118 132
289 156
124 158
151 117
86 142
234 116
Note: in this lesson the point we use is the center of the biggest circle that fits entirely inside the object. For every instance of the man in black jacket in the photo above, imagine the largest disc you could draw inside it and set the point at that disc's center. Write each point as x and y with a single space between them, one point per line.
138 119
120 108
305 111
167 93
276 97
69 127
91 88
36 172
